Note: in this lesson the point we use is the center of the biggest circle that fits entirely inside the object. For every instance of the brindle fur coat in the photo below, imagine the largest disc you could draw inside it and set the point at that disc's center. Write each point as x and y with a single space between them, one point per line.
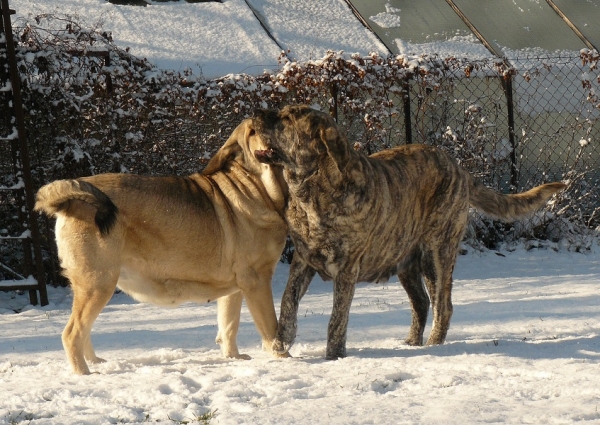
356 218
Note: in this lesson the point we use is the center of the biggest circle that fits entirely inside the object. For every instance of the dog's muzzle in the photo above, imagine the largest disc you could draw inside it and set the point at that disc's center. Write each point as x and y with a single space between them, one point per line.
266 156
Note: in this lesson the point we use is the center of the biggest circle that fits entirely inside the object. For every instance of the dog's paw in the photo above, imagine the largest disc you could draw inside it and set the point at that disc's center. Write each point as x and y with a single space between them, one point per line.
280 347
414 341
285 337
243 357
96 360
435 341
335 354
436 338
233 353
277 349
239 356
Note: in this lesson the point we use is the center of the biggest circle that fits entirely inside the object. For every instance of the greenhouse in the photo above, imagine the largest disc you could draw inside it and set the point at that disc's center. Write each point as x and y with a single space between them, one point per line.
509 28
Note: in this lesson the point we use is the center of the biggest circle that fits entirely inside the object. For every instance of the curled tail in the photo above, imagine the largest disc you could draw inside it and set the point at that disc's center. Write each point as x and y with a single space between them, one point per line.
57 197
511 207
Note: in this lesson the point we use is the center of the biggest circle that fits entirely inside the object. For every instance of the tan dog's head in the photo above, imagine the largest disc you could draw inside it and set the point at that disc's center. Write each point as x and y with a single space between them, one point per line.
301 139
237 157
240 147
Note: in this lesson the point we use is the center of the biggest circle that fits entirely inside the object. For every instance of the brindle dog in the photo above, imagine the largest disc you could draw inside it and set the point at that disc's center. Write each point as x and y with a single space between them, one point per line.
357 218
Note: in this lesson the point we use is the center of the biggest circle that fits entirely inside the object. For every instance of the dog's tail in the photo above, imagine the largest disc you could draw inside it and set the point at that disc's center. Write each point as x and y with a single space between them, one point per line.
510 207
56 197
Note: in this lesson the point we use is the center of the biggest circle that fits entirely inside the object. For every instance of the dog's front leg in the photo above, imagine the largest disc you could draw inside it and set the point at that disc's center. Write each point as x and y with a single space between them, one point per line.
228 320
343 292
299 279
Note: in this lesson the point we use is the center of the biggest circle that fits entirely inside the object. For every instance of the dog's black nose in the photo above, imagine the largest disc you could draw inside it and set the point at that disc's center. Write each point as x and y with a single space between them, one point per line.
260 113
265 118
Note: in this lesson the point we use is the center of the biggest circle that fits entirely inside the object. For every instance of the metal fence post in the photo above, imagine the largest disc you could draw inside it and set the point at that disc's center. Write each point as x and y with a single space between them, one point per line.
406 107
333 110
508 93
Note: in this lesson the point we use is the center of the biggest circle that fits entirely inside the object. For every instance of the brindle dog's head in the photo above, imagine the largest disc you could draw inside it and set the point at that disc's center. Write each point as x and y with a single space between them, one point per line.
300 138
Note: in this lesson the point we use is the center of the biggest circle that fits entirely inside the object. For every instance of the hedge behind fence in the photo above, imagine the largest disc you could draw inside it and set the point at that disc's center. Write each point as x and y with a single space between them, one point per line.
93 107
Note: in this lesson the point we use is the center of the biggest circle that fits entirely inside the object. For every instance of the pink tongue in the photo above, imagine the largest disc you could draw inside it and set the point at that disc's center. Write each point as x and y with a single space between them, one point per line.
267 152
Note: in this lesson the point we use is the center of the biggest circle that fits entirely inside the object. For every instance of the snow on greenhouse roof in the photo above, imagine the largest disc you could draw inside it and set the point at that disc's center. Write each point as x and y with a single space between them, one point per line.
247 36
429 26
310 28
513 28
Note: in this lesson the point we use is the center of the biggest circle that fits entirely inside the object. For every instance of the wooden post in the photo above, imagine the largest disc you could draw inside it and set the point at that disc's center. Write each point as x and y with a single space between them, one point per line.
23 156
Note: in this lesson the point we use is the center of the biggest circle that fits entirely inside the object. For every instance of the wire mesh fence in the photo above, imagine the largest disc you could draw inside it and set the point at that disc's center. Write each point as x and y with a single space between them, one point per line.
512 124
541 127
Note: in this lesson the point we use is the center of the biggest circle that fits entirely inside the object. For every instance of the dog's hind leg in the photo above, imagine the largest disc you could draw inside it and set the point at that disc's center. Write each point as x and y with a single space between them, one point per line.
89 298
228 319
437 271
343 292
411 280
299 279
437 265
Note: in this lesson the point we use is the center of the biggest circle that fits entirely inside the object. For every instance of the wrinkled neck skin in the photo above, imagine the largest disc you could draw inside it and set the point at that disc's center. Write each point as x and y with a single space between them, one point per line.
267 185
275 186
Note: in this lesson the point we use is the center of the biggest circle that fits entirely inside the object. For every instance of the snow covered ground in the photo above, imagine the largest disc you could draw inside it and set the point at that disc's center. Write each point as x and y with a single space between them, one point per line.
524 347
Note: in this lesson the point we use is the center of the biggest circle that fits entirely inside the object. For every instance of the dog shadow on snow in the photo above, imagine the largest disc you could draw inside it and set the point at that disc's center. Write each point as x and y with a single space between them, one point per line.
584 348
535 337
195 346
571 348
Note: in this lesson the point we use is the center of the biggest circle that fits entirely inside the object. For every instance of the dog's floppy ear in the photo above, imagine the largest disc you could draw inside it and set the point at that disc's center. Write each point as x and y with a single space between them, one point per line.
229 150
336 145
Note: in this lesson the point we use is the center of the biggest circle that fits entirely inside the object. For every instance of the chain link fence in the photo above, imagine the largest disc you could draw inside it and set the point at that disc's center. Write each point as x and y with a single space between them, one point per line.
513 125
538 125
